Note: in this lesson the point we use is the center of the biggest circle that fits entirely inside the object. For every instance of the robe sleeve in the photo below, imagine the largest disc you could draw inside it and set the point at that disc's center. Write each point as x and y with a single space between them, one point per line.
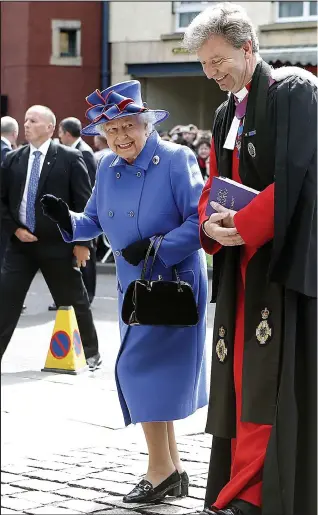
255 222
210 246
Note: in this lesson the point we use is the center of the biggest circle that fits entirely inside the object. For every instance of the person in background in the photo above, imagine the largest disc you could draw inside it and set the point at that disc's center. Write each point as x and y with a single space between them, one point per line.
203 149
69 133
9 135
263 397
35 243
144 188
100 142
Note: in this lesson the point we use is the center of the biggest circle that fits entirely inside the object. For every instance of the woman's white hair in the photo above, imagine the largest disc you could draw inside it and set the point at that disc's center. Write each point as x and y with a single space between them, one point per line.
148 118
227 20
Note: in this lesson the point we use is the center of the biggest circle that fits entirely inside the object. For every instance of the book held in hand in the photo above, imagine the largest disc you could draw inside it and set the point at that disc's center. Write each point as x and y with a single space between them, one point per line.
229 194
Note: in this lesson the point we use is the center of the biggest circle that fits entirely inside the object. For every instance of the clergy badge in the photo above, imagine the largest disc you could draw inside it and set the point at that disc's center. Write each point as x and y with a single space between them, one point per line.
251 149
263 330
155 160
221 349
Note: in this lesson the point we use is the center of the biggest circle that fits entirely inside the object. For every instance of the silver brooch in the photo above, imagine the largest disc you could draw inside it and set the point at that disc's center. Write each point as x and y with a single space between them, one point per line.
251 149
155 160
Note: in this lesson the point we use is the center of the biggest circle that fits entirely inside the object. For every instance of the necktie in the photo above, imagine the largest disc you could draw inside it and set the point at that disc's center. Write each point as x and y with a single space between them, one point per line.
32 191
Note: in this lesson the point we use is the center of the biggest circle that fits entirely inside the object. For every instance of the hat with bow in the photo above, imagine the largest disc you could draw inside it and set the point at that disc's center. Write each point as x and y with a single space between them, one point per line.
122 99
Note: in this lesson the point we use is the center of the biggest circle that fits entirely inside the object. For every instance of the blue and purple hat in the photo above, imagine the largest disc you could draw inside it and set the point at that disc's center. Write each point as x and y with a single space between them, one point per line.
122 99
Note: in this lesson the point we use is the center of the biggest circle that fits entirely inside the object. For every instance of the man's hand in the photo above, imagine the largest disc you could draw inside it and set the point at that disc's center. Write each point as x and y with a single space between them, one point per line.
25 236
221 228
82 255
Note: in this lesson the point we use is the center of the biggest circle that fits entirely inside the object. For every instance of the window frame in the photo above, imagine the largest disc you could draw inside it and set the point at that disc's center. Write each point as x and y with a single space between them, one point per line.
191 7
56 59
306 16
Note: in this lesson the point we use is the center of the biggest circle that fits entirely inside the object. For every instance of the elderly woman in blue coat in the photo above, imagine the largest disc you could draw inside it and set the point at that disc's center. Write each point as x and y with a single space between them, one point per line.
147 187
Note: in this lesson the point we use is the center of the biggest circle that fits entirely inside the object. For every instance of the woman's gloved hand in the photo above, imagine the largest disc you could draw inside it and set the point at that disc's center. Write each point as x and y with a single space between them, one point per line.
57 210
136 252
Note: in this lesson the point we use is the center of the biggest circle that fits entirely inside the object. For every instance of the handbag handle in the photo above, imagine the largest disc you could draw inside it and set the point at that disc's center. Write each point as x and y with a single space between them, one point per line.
144 268
158 242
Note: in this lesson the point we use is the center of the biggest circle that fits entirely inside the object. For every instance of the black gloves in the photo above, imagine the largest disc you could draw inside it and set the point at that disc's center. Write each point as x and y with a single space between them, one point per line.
136 252
57 210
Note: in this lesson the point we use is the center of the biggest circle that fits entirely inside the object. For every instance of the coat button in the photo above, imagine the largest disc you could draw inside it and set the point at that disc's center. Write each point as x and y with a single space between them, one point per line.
118 175
155 160
110 213
131 213
117 253
138 174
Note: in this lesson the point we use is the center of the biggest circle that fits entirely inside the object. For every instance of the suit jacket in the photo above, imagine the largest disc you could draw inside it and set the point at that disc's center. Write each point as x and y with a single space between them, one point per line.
63 174
89 158
4 150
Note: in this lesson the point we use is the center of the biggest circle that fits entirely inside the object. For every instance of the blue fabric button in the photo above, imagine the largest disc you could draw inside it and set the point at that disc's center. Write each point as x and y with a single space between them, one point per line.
110 213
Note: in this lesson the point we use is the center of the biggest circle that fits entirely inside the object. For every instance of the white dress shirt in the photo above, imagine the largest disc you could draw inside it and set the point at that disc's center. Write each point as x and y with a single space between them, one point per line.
43 149
76 142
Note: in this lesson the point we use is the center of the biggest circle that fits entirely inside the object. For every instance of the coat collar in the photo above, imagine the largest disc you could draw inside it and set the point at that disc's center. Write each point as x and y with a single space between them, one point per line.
143 159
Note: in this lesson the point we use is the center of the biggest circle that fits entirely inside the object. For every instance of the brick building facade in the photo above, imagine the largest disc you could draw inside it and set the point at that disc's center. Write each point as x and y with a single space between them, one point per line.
50 55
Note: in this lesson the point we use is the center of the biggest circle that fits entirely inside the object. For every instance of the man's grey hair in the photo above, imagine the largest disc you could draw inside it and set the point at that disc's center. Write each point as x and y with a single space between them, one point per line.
9 125
148 118
227 20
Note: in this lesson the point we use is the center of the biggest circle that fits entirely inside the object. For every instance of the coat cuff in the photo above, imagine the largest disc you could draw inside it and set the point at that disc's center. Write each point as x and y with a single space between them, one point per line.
209 246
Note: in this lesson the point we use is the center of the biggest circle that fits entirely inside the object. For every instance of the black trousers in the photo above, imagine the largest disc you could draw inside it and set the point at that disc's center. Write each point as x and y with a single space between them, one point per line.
89 275
64 280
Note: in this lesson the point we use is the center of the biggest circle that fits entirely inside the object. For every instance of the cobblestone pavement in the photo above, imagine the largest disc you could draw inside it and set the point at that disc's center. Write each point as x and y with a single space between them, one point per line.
64 447
94 479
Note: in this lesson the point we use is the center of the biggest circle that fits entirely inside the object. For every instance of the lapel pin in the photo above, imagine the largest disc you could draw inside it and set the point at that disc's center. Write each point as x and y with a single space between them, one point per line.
155 160
251 149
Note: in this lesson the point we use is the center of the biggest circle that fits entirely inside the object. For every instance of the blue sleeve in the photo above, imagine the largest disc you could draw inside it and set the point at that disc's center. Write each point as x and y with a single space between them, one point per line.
85 225
187 184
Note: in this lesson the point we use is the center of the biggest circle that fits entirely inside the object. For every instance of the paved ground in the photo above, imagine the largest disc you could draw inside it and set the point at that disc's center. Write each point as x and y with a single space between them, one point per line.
64 447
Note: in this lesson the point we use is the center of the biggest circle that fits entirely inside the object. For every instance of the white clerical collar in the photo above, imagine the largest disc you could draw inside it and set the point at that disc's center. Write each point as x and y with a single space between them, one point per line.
240 95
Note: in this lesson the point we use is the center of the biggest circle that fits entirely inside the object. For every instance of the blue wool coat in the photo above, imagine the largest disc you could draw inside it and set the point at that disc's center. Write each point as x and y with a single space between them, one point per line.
160 371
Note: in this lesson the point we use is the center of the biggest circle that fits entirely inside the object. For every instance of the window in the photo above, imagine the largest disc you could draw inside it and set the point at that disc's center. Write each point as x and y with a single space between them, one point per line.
186 11
296 11
66 43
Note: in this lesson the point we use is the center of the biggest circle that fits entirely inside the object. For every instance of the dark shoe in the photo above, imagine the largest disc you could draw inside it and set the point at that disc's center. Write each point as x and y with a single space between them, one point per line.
145 492
206 511
240 507
94 362
184 484
52 307
23 307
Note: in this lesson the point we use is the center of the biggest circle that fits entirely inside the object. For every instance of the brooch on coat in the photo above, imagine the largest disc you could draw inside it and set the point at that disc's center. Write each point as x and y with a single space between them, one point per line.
263 330
221 348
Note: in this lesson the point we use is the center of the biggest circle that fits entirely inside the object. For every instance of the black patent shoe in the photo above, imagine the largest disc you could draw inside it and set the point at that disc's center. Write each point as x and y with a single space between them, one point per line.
184 484
144 492
240 507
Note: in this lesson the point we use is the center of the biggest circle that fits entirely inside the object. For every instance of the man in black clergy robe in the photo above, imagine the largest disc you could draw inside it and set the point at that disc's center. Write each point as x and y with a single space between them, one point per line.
263 398
35 243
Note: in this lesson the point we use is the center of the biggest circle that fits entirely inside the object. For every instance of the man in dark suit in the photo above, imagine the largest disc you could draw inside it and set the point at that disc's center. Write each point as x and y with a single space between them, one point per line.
9 136
35 243
70 135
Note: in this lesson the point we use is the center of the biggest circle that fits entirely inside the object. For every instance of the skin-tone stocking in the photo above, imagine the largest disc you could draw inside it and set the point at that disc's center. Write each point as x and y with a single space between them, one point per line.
160 465
174 453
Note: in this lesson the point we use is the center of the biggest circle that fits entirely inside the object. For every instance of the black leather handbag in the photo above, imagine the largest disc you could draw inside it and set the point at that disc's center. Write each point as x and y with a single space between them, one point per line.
161 302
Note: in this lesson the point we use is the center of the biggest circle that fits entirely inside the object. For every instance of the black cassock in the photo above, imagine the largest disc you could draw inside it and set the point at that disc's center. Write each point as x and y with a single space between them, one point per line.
284 117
